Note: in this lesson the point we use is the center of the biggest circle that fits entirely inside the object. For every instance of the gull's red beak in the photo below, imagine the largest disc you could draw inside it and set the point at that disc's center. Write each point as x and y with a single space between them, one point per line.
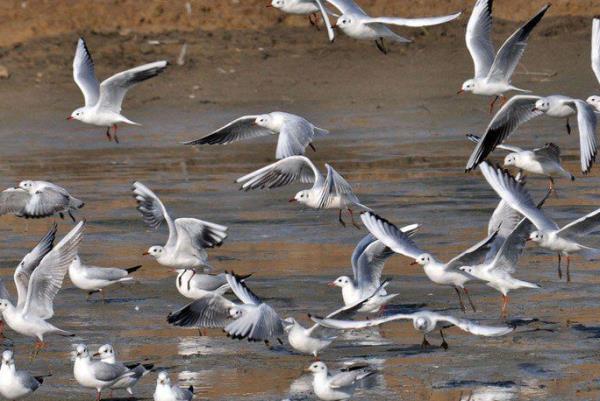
460 92
96 354
414 262
292 200
145 253
269 5
534 109
331 284
528 239
70 118
334 25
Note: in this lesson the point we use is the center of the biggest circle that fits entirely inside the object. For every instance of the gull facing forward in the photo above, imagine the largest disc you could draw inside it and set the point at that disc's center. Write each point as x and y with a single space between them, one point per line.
16 384
103 101
107 354
423 321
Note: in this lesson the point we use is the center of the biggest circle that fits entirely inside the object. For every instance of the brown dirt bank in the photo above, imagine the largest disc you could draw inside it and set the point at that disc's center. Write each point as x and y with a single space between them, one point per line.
24 20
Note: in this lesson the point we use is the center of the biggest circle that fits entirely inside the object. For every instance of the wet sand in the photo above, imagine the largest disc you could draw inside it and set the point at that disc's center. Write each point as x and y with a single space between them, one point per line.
397 134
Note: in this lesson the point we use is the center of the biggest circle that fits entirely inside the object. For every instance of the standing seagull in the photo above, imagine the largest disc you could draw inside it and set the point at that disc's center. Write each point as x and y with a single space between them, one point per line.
543 161
38 279
368 260
96 374
312 8
165 391
94 279
252 318
103 101
339 386
355 23
522 108
438 272
16 384
493 72
37 199
595 100
295 132
331 192
188 238
107 355
548 235
424 321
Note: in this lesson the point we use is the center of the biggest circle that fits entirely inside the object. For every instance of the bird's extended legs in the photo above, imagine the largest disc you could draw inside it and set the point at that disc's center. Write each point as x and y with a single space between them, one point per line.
98 395
504 312
568 269
381 45
492 103
72 217
568 127
108 134
559 269
470 300
342 222
444 344
115 133
314 20
39 345
462 305
425 343
352 217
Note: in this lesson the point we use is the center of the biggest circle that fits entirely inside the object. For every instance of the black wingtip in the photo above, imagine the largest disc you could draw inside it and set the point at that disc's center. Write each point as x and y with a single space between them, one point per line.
133 269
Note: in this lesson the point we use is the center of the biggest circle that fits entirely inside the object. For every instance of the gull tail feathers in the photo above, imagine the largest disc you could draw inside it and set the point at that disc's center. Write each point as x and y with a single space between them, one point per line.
75 203
590 254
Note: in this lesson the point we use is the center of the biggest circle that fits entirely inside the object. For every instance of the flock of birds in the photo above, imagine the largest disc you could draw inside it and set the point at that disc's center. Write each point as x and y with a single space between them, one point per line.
516 220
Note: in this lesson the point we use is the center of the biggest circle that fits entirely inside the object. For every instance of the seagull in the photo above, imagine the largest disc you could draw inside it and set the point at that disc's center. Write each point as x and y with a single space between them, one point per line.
594 101
38 279
314 339
355 23
368 260
252 319
295 132
188 238
193 285
107 355
94 279
103 101
424 321
38 199
438 272
312 8
167 392
493 72
338 386
501 261
96 374
522 108
548 234
16 384
543 161
331 192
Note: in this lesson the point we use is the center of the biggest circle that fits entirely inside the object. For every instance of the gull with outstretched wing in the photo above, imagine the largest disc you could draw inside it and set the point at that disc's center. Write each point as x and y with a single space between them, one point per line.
330 192
188 237
493 71
424 321
438 272
357 24
547 234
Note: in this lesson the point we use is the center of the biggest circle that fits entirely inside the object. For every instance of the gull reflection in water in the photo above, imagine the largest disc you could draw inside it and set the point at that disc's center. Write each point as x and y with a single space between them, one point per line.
491 393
